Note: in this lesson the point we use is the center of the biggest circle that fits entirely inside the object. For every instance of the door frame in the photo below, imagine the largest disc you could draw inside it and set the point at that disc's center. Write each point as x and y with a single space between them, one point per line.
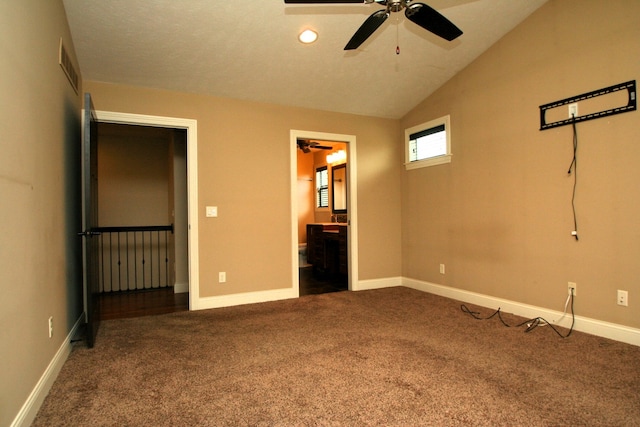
191 126
352 202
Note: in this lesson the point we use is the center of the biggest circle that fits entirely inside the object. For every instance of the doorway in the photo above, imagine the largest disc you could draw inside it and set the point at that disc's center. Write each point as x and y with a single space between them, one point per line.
314 273
184 275
142 205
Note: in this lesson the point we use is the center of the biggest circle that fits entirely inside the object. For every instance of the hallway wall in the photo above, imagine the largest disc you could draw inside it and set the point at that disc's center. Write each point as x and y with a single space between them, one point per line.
134 170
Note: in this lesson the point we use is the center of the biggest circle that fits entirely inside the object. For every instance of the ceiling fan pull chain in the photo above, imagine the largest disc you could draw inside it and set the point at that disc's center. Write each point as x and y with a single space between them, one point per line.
397 36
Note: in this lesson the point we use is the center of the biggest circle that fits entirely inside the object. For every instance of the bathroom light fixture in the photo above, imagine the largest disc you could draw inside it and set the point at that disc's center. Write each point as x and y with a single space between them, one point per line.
308 36
336 157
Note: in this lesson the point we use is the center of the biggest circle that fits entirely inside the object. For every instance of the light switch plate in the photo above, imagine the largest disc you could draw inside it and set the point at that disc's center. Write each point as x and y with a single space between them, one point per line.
212 211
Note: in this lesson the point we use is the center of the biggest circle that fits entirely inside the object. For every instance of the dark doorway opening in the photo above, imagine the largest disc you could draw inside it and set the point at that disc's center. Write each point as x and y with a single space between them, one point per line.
142 186
314 282
322 224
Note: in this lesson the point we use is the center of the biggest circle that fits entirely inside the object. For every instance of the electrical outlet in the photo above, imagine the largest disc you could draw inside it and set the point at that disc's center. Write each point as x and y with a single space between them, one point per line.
573 110
50 326
570 286
441 268
222 277
623 298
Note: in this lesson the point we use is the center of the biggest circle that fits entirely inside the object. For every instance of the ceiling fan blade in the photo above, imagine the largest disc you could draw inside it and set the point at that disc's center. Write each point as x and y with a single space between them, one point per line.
431 20
304 146
318 145
367 28
321 1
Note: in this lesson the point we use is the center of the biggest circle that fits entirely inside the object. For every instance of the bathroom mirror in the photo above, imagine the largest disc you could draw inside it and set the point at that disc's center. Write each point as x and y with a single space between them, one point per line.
339 189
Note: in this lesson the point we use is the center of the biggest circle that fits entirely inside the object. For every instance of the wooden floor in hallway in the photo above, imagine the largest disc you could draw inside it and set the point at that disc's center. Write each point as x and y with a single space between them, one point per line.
119 305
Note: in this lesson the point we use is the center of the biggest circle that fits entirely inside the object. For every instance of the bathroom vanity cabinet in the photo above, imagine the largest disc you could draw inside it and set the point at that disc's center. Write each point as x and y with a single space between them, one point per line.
327 247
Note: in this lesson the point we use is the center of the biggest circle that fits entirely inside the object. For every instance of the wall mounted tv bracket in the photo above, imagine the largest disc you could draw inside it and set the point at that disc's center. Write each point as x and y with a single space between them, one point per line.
631 105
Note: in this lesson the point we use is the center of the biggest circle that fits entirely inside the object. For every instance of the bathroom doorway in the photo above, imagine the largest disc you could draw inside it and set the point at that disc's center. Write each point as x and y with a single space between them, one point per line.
324 229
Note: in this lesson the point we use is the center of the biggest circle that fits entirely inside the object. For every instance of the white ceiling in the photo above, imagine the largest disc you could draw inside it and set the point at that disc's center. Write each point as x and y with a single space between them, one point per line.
249 49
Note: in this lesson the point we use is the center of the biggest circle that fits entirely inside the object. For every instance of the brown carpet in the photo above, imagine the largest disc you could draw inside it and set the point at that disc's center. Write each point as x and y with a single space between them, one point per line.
384 357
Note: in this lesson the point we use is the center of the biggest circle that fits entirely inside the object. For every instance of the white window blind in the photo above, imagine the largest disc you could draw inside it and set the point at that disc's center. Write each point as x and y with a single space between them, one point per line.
322 188
428 144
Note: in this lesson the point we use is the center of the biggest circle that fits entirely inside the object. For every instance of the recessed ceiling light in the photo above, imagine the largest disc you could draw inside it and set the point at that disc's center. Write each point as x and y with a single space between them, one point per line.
308 36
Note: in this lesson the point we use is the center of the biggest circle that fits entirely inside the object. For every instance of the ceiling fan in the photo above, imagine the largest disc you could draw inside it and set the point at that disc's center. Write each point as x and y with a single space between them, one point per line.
419 13
306 145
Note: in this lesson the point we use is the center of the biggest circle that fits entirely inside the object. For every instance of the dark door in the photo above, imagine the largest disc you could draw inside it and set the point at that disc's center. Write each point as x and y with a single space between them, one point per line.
90 220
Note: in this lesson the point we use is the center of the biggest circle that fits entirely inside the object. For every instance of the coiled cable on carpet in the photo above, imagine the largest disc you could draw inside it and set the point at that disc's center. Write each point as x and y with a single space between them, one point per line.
531 323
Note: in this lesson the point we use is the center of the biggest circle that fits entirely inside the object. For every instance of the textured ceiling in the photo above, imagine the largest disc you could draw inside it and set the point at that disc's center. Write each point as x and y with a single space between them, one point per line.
249 49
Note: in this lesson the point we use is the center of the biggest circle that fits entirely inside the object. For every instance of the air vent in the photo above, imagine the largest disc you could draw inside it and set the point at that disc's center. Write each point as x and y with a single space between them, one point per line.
67 66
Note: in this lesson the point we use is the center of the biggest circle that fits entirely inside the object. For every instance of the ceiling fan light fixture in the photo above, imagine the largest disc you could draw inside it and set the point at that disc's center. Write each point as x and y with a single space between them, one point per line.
308 36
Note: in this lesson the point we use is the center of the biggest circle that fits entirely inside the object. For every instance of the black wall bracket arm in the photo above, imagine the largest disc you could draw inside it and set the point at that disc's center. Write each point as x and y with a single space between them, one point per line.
629 86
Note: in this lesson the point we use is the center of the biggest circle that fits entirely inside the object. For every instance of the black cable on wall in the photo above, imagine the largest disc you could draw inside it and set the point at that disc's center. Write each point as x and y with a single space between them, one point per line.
574 166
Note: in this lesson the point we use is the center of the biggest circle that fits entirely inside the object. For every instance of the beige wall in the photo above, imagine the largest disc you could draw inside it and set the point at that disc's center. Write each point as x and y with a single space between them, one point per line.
243 167
499 216
39 188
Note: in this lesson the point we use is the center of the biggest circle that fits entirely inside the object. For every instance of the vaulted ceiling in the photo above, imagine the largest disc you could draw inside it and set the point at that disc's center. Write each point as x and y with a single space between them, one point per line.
249 49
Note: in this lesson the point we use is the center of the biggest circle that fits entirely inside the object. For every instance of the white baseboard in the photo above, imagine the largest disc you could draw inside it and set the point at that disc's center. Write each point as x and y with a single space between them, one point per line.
30 408
583 324
244 298
180 288
205 303
388 282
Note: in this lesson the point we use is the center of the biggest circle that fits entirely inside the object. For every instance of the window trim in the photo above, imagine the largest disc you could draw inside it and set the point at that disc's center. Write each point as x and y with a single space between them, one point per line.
430 161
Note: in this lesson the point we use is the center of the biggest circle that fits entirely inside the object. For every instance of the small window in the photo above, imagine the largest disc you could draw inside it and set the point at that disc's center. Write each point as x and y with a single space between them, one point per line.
322 188
428 144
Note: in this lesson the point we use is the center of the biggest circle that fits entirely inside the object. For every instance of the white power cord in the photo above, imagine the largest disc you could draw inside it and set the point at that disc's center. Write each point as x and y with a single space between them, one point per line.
545 323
